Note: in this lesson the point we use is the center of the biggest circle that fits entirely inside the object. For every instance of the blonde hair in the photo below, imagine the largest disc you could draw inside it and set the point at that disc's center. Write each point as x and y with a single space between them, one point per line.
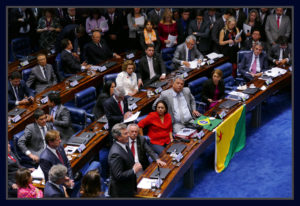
230 19
126 64
218 72
51 135
167 13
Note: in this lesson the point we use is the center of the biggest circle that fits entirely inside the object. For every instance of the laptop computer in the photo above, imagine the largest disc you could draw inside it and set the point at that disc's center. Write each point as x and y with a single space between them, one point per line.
158 84
179 147
132 100
16 111
250 90
162 173
109 64
84 138
228 103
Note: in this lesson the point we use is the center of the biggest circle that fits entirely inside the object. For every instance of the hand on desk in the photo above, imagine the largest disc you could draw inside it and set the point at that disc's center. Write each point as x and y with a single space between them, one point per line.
162 77
196 113
187 64
256 75
117 56
161 163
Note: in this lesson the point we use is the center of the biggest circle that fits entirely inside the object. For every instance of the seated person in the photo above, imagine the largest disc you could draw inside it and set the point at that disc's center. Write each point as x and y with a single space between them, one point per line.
128 78
159 125
57 179
187 52
150 36
32 143
91 185
18 92
42 76
59 116
181 104
70 63
151 67
96 22
254 63
108 90
281 52
255 37
25 187
213 89
97 51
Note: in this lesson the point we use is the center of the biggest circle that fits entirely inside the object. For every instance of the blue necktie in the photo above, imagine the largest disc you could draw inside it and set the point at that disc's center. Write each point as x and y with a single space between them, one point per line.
189 55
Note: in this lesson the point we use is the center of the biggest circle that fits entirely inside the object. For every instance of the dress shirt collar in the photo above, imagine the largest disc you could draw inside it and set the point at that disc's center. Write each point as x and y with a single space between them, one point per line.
223 18
69 51
53 150
175 93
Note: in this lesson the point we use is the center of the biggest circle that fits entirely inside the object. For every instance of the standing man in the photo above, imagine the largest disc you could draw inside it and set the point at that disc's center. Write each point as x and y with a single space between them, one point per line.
183 25
42 75
122 166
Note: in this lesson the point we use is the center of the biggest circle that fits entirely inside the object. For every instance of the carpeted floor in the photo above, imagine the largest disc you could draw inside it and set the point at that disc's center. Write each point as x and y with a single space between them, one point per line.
263 169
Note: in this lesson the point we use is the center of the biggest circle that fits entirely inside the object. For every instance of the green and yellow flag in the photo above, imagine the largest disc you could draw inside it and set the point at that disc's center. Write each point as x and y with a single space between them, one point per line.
230 138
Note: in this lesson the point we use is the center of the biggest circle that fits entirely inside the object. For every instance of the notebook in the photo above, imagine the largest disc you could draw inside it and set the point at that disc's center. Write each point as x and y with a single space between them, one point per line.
228 103
132 100
84 138
109 64
16 111
250 90
162 173
179 147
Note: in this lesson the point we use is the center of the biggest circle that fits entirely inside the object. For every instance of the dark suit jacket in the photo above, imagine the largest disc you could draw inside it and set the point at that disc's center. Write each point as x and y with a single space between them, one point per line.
152 15
215 32
98 109
202 34
116 27
241 19
67 20
245 64
12 168
37 80
143 150
247 45
22 92
70 64
69 33
95 55
275 53
48 159
52 191
123 180
182 33
144 73
209 90
207 19
32 139
155 43
62 122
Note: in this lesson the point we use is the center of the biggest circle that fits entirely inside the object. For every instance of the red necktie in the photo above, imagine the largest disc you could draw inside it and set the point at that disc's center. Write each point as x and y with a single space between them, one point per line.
10 157
198 24
59 156
120 106
73 19
278 18
132 149
253 68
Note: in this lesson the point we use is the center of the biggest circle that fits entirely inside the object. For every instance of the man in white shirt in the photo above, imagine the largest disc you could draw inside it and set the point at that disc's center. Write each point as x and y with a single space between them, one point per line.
281 52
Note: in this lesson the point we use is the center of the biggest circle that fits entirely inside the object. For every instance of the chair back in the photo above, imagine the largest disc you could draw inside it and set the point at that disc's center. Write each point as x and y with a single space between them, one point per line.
78 118
86 99
196 87
20 47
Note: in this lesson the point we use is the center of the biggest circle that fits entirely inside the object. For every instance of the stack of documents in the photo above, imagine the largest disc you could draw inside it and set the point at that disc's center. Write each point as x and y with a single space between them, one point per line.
275 72
214 55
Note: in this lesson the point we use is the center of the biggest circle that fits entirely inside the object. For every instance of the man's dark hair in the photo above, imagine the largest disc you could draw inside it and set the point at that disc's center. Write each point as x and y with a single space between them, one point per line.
256 29
186 10
229 12
282 40
55 98
64 43
80 30
199 13
149 45
37 113
15 75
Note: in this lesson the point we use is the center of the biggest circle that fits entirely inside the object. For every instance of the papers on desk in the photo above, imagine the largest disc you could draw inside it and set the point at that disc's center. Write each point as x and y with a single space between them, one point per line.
172 40
186 132
275 72
246 28
99 68
38 174
214 55
146 183
243 96
70 149
139 21
238 35
193 64
133 117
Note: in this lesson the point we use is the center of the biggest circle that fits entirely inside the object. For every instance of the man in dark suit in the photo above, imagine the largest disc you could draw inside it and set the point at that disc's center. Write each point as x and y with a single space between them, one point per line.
211 16
18 92
151 67
281 52
42 75
255 38
54 154
263 15
240 17
183 25
218 26
70 18
186 52
97 51
155 15
201 30
32 143
122 166
70 62
140 148
57 178
254 63
60 117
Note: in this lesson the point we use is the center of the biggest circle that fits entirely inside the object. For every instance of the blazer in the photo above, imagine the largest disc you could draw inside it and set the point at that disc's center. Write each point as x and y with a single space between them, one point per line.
69 63
202 34
180 54
182 33
167 96
209 90
12 168
95 55
272 30
123 180
116 26
32 139
247 45
275 53
245 64
215 31
48 159
98 109
143 150
52 191
208 20
144 72
155 43
62 123
241 19
37 80
113 112
23 91
133 31
152 15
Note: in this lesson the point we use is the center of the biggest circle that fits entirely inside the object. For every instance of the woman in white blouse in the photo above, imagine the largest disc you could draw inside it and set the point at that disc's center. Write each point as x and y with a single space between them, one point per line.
127 78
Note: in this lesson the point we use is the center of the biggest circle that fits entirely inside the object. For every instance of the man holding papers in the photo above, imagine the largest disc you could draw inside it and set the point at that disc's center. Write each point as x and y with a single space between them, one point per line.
187 52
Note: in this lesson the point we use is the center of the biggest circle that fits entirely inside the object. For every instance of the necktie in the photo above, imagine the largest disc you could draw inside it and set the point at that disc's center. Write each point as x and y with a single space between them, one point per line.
120 106
132 148
180 108
129 152
112 19
59 156
73 19
189 55
44 70
253 68
44 132
99 45
11 157
278 19
17 92
198 24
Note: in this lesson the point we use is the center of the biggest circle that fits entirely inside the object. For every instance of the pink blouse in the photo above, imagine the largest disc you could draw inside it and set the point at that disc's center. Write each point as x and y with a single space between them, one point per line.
93 23
30 192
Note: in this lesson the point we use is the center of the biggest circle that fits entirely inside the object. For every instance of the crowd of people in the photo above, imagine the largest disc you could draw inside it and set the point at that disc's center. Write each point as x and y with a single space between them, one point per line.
84 37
